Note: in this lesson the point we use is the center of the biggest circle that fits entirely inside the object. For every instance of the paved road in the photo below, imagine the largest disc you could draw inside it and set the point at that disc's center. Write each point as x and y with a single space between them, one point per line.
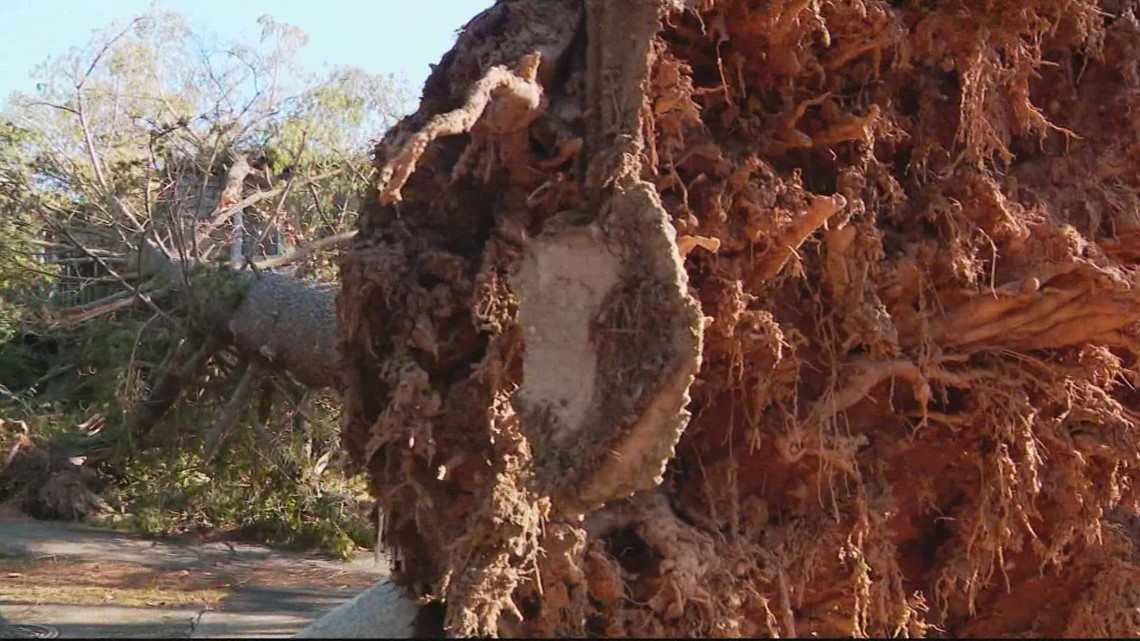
266 593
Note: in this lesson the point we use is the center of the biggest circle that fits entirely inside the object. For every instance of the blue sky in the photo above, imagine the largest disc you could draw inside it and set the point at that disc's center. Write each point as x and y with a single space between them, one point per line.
380 36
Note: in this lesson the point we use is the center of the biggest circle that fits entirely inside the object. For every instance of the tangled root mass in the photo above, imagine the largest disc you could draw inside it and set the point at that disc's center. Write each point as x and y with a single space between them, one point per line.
742 317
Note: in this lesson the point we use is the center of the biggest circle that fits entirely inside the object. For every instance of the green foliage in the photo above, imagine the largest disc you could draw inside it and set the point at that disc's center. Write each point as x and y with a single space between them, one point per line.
20 364
212 296
165 103
165 110
173 490
19 272
288 489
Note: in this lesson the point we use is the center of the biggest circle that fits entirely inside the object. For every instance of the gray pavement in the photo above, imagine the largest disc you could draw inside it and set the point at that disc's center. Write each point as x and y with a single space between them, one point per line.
274 594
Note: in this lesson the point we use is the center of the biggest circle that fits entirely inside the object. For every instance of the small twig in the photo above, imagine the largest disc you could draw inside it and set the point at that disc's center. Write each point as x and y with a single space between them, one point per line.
132 366
60 277
62 369
296 405
80 261
41 103
317 203
106 47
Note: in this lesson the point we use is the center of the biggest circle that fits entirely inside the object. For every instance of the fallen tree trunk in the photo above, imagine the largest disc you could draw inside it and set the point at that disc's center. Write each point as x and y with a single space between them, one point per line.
759 318
278 328
276 324
291 324
288 323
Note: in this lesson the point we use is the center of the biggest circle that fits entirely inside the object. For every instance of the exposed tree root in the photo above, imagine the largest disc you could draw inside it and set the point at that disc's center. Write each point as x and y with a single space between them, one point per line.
503 102
876 376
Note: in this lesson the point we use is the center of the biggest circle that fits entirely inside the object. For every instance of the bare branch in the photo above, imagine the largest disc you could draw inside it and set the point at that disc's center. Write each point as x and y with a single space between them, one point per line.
41 103
74 316
106 47
218 218
232 410
303 253
122 281
97 163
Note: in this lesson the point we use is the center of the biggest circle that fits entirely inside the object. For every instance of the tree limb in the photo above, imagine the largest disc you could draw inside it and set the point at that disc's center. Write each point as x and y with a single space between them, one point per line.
305 252
232 410
219 217
186 366
73 316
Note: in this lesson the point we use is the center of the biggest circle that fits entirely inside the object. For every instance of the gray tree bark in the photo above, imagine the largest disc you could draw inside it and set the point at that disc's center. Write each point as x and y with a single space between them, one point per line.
287 323
292 324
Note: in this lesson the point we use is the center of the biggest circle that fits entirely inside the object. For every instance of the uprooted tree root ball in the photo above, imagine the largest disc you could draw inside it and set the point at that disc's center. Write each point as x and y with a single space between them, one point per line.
742 317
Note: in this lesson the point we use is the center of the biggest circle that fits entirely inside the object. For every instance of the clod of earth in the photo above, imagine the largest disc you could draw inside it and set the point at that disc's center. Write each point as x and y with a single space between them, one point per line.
730 317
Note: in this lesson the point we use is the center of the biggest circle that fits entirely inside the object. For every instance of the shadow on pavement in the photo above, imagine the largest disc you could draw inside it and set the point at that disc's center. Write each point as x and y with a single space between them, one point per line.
298 600
271 593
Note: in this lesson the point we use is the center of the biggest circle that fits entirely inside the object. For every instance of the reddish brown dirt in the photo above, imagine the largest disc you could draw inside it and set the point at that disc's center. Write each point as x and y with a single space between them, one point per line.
910 228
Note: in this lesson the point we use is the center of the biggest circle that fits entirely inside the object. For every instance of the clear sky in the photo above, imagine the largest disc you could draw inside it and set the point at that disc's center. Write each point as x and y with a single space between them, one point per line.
380 36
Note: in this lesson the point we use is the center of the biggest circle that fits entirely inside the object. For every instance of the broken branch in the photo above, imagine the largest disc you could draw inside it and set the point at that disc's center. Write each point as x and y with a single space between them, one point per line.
230 413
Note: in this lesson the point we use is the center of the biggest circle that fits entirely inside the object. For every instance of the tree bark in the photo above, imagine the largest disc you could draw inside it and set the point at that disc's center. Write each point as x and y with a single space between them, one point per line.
292 325
288 324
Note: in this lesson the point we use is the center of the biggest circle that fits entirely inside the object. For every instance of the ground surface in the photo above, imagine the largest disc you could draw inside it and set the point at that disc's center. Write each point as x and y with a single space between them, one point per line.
88 583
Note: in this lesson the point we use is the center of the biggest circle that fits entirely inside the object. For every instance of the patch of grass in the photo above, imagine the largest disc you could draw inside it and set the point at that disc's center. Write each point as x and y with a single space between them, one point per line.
11 592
